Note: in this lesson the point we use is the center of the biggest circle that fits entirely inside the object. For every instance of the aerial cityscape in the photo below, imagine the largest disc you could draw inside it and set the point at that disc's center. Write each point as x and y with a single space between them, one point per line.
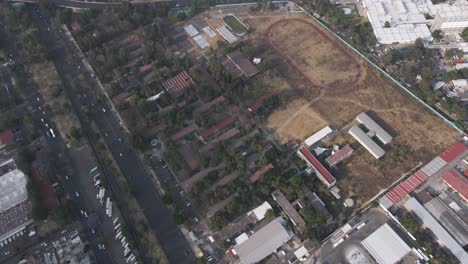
233 132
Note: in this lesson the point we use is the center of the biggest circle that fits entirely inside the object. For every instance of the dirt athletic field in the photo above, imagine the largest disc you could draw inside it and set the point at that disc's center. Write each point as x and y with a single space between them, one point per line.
333 85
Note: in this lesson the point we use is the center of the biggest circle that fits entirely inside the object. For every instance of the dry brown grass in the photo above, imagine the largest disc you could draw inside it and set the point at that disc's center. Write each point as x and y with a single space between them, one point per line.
50 87
413 126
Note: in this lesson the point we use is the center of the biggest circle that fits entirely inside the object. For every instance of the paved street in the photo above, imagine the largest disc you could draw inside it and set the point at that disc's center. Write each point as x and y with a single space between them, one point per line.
374 218
160 219
59 152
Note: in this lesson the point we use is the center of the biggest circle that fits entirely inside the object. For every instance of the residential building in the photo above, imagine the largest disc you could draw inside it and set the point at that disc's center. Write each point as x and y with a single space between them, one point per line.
263 242
177 84
321 172
458 182
260 211
288 208
339 155
207 133
238 65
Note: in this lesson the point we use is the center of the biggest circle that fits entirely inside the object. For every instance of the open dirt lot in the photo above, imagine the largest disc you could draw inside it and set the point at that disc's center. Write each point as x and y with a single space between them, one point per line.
419 135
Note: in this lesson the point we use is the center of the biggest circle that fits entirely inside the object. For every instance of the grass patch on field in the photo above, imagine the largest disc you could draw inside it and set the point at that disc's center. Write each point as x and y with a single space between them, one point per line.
235 24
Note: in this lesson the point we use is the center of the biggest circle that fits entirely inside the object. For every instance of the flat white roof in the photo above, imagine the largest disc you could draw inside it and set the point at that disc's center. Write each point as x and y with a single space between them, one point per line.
191 30
261 210
209 32
263 242
241 239
318 136
12 189
385 245
367 142
201 42
441 234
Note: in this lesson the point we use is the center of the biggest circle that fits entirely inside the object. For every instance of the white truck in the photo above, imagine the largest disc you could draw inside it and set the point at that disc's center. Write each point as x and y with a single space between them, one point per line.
108 207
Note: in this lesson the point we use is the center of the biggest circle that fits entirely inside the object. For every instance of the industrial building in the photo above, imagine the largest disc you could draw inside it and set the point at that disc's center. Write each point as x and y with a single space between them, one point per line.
442 236
318 136
449 219
367 142
385 245
15 207
263 242
288 208
312 162
374 128
457 182
404 21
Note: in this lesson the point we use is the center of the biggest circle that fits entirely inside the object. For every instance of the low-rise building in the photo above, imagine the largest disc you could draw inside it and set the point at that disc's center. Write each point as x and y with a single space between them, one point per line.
339 155
322 173
458 182
367 142
385 245
458 89
316 137
238 65
288 208
177 84
264 242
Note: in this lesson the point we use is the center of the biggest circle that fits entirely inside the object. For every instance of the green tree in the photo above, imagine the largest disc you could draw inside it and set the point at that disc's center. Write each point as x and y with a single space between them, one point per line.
386 24
311 216
437 34
65 16
76 133
269 214
465 34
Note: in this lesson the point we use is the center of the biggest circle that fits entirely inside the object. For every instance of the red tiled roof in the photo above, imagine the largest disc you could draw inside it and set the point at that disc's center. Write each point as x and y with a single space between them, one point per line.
256 176
258 103
178 83
184 131
7 137
346 150
407 186
453 152
207 106
121 96
210 131
136 42
317 165
457 181
145 67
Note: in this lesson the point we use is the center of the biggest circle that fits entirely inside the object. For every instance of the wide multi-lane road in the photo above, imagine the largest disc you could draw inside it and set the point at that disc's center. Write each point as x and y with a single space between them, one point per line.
77 4
173 242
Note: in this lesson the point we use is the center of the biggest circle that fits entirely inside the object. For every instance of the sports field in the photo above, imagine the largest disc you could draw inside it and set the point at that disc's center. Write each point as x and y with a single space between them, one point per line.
333 86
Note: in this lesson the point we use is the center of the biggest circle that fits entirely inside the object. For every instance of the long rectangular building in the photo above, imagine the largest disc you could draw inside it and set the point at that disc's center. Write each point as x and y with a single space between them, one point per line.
263 242
381 134
367 142
318 136
443 237
322 173
288 208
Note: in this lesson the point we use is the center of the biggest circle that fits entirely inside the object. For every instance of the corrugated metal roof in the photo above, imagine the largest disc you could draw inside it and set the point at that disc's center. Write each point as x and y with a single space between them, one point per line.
407 186
367 142
264 242
318 136
339 155
178 83
457 181
453 152
385 245
443 237
381 134
185 131
433 166
210 131
12 189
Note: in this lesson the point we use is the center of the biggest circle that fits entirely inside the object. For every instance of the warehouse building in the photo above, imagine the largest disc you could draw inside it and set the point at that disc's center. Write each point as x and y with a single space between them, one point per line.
370 124
442 236
367 142
263 242
457 182
385 245
451 18
15 207
318 136
312 162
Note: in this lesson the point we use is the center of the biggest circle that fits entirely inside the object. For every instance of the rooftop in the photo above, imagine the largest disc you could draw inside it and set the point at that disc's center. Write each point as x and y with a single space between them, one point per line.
238 65
339 155
178 83
6 137
264 242
317 165
381 134
210 131
261 210
457 181
367 142
15 217
12 189
184 131
318 136
385 245
443 237
288 208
